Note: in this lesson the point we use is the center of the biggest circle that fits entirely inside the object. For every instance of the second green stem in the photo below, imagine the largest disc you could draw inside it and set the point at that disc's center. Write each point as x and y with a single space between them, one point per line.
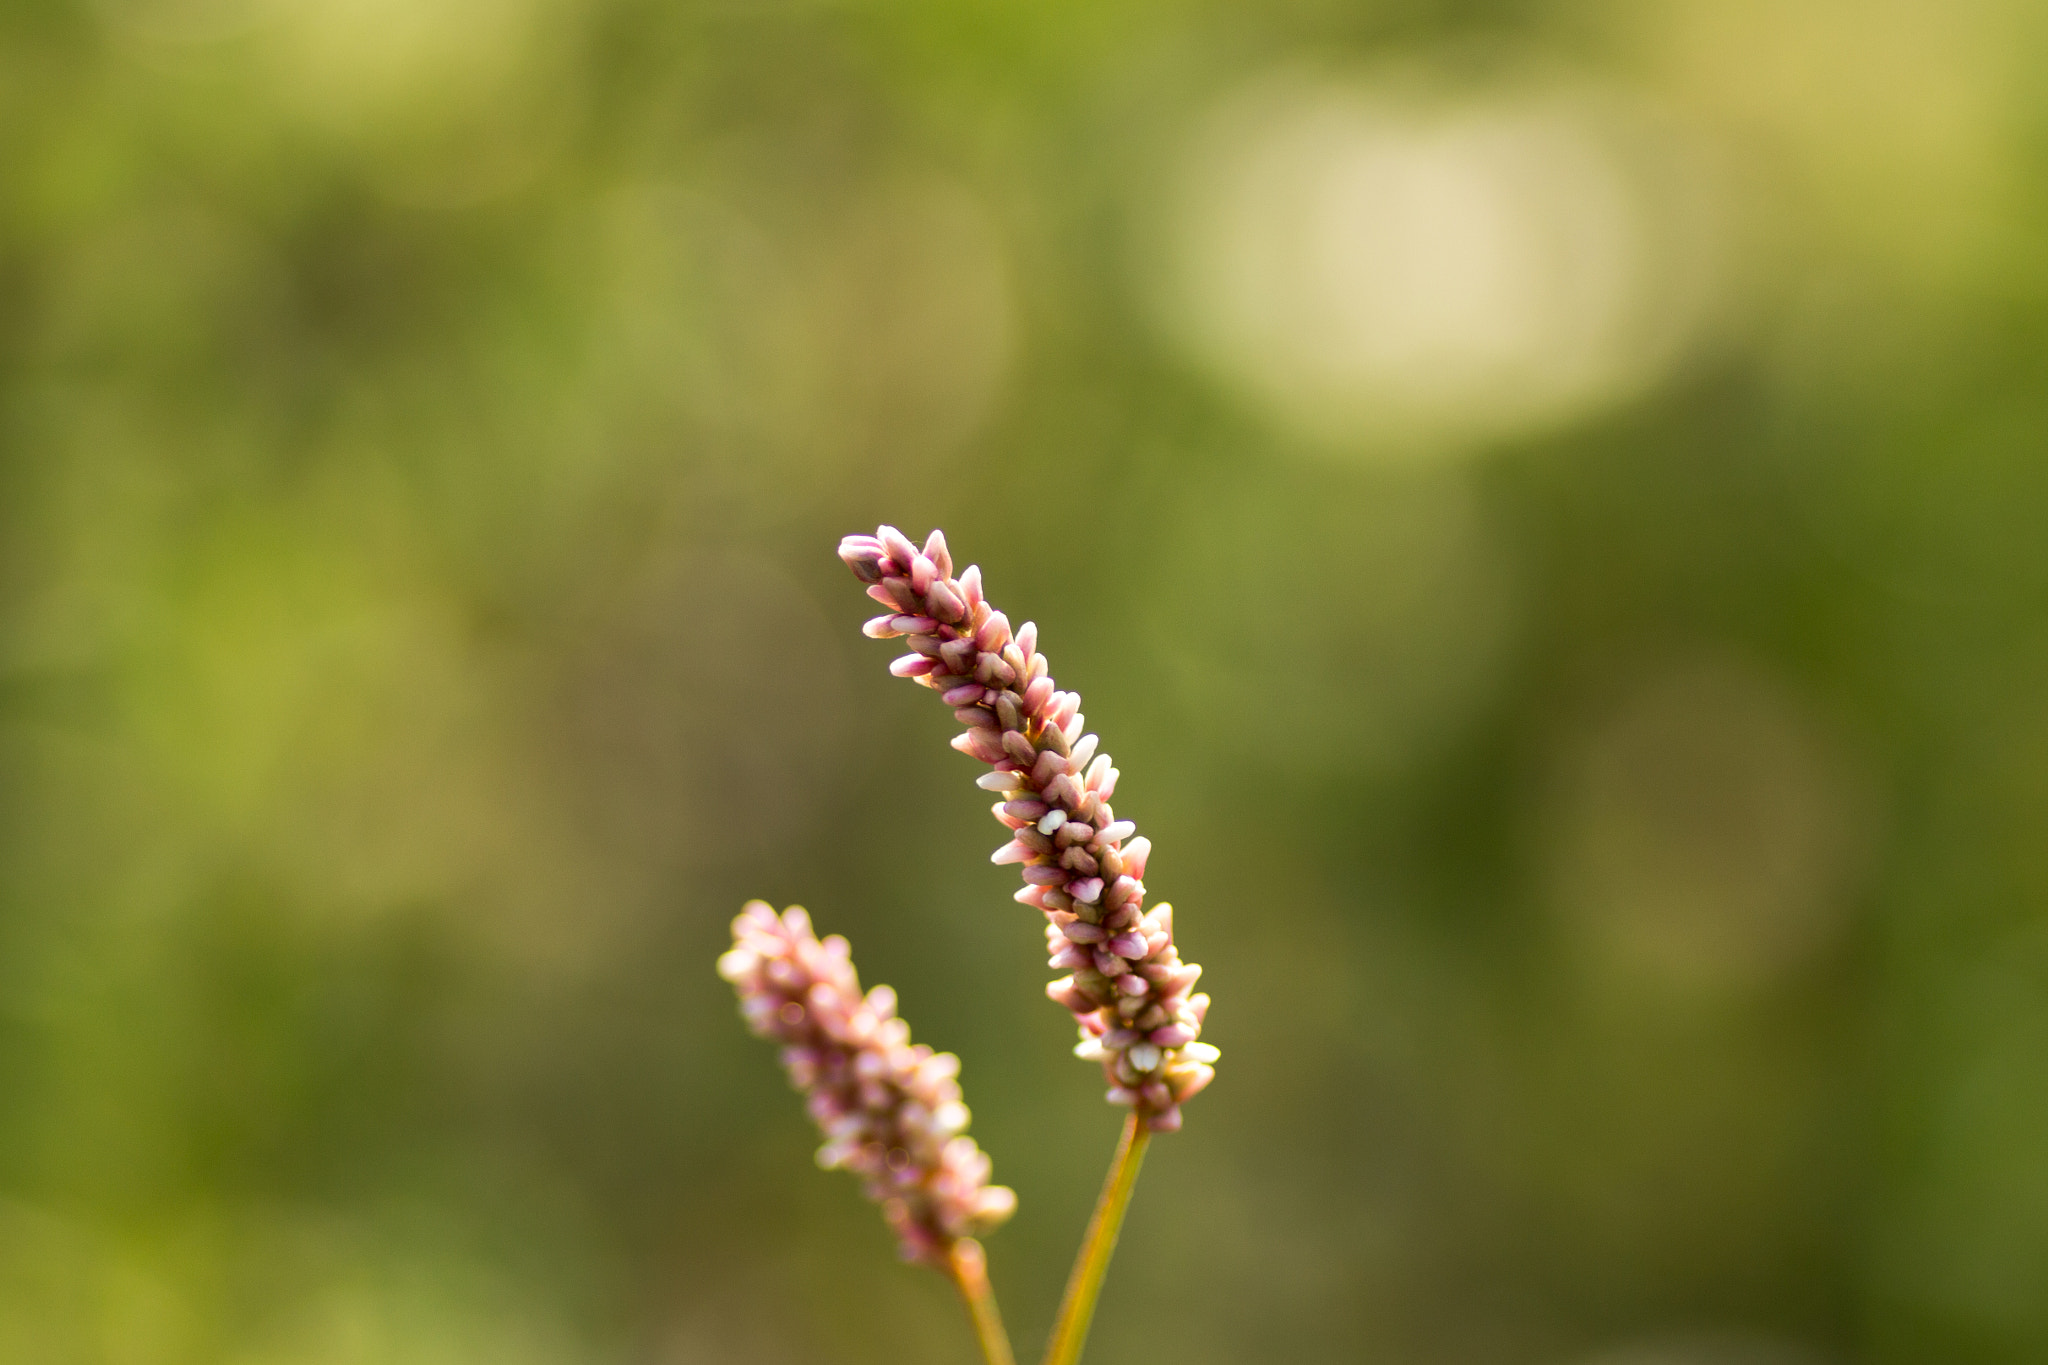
1084 1285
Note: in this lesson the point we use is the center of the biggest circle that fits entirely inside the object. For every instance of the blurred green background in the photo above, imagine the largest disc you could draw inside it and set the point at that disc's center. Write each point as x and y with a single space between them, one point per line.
1545 502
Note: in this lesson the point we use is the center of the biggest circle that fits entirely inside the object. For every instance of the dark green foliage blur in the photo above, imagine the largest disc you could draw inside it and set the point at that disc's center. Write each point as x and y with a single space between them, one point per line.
1546 503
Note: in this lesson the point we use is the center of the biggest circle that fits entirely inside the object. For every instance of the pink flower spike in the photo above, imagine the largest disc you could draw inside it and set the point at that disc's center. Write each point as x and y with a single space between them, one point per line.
1080 865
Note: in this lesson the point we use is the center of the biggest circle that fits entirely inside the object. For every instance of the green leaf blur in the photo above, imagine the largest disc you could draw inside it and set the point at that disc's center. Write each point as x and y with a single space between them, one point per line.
1545 503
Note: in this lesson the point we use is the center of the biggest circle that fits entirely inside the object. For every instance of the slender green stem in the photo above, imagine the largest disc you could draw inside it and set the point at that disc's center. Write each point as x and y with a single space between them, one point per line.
968 1269
1084 1285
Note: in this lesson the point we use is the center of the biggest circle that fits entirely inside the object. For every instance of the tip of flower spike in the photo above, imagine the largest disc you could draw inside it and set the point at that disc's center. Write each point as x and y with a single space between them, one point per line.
898 546
935 550
863 555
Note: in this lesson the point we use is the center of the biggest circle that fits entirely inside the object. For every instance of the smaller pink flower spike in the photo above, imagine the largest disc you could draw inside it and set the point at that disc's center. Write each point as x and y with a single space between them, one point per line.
891 1111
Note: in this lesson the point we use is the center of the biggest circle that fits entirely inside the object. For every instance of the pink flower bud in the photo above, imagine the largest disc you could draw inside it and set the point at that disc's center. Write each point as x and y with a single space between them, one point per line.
1191 1080
1129 944
945 603
1165 1121
976 744
899 547
1036 695
935 551
863 555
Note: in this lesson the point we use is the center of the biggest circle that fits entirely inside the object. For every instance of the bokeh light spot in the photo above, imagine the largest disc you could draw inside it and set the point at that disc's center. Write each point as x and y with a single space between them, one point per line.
1704 829
1381 265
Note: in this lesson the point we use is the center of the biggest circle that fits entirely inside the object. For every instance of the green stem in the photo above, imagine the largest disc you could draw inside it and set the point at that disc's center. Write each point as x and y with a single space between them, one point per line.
968 1270
1077 1308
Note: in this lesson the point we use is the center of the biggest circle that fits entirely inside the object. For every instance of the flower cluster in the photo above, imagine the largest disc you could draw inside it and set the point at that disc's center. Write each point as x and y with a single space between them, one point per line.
1081 865
890 1110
